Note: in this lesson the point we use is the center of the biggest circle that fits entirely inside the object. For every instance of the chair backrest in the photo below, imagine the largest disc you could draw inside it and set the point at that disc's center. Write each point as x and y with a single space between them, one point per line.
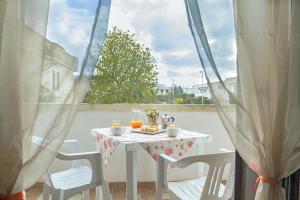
68 146
71 146
217 164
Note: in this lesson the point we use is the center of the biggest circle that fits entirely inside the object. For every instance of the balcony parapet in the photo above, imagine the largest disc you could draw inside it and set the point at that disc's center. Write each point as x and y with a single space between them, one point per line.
162 107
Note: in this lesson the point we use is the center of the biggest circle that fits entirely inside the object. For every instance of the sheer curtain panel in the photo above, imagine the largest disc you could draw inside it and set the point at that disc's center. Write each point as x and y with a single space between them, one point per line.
267 130
48 51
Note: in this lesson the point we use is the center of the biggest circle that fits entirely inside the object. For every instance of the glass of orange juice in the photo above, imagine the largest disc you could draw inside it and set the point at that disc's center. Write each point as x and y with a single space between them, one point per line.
136 124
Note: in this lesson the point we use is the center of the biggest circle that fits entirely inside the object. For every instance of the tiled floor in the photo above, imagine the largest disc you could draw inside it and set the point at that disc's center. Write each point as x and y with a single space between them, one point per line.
146 191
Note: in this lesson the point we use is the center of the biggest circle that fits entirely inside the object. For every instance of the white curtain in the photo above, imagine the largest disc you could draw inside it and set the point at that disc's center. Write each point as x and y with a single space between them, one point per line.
266 131
48 51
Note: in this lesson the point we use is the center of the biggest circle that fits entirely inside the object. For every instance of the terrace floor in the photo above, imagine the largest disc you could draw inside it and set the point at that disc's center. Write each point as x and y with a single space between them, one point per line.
146 191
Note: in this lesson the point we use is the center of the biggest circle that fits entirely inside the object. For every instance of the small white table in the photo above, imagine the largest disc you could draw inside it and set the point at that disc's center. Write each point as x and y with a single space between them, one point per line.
131 148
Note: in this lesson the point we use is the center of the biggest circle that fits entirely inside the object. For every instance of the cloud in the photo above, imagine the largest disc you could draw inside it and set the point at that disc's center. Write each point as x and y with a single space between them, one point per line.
162 25
171 73
182 59
70 26
218 21
165 21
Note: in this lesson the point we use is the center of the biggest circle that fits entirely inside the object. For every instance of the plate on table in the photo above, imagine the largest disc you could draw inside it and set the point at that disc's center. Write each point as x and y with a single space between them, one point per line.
147 132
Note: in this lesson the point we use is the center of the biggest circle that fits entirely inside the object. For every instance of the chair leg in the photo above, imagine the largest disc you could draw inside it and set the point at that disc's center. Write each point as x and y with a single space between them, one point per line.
106 191
46 192
57 195
159 187
99 193
158 193
86 195
159 179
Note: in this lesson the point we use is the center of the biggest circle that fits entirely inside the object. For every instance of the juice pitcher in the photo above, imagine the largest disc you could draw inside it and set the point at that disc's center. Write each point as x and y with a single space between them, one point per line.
137 118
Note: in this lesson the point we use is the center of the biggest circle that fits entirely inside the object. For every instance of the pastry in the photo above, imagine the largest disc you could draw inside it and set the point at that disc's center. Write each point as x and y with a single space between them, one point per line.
150 128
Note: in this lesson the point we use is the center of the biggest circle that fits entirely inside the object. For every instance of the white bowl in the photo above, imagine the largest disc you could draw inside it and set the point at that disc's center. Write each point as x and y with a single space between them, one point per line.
173 132
117 130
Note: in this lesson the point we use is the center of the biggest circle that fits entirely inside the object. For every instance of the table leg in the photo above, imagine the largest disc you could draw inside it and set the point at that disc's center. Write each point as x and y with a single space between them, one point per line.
200 151
131 168
161 176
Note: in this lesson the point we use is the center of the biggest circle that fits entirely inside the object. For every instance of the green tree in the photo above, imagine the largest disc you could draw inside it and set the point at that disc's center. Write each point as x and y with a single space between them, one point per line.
126 71
178 91
180 100
198 100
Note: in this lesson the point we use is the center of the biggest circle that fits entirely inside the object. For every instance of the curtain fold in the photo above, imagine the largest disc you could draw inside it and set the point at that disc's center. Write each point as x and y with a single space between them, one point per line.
265 131
45 71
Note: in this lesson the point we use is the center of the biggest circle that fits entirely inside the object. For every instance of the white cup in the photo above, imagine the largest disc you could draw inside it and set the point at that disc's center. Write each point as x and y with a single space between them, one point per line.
117 130
173 132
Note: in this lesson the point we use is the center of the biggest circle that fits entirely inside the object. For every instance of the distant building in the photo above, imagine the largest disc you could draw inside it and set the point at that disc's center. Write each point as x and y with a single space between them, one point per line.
198 90
231 84
58 67
163 89
58 70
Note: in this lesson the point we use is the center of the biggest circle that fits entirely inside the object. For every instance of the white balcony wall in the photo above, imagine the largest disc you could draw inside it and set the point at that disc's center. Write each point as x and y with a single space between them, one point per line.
199 118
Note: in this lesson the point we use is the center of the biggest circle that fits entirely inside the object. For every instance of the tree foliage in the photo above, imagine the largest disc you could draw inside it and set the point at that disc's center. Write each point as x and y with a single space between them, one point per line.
126 71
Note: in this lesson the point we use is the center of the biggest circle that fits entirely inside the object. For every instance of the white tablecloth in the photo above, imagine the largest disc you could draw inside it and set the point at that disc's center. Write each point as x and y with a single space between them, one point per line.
153 144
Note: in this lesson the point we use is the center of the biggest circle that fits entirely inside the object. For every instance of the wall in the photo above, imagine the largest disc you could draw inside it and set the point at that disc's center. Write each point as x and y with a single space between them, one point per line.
191 117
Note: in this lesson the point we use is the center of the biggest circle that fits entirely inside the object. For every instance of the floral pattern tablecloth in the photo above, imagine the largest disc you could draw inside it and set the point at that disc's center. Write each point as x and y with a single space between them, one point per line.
153 144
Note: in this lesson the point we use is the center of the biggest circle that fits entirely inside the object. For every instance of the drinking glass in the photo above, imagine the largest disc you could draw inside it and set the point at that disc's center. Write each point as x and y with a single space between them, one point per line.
116 123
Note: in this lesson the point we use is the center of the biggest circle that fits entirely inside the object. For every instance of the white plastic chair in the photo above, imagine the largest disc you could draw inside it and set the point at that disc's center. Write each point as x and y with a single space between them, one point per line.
79 178
205 188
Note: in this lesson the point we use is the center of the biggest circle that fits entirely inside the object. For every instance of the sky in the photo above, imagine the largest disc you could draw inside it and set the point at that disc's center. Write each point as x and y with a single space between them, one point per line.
159 24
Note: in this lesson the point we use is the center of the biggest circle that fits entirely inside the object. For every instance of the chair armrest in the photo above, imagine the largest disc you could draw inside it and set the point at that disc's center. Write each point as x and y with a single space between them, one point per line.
167 159
77 156
94 159
207 158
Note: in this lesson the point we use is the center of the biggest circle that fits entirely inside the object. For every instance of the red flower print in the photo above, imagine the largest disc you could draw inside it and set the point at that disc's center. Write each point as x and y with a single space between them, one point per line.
148 148
155 156
190 144
169 151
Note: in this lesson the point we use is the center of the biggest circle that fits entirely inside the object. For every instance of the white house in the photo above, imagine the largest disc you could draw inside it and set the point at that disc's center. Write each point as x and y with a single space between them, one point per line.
163 89
231 84
58 72
198 90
